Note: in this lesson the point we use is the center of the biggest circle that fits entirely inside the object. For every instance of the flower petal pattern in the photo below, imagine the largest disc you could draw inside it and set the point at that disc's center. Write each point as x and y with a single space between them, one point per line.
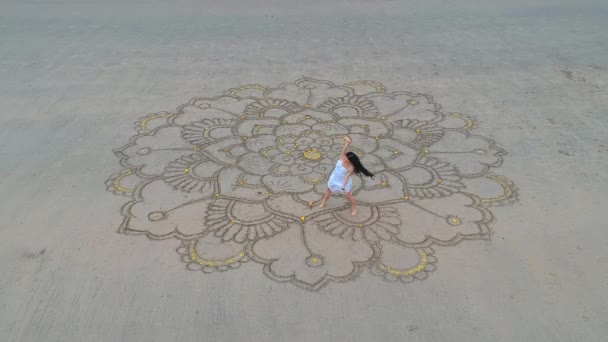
238 178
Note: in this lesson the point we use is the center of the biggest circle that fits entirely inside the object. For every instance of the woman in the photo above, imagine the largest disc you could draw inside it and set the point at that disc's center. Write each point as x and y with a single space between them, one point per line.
340 179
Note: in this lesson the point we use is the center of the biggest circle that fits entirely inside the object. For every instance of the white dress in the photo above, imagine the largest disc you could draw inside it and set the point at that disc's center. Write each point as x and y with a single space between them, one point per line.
336 180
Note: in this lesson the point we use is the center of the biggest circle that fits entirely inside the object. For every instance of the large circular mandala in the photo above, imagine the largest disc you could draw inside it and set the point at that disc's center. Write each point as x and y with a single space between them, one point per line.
237 178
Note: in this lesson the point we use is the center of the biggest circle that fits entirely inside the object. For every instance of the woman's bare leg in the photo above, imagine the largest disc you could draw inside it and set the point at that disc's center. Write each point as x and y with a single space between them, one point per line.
325 198
352 201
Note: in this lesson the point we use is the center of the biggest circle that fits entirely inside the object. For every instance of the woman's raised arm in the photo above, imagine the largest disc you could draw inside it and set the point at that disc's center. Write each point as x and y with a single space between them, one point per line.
347 142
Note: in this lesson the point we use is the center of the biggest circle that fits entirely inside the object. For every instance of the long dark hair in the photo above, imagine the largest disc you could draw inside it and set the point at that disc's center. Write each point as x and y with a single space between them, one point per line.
359 168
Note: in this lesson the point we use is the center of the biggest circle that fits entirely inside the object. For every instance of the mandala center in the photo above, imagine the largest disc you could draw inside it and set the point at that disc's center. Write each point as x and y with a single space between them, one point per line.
312 154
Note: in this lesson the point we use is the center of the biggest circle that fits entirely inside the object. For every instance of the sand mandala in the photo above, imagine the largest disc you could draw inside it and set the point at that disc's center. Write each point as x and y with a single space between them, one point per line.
238 179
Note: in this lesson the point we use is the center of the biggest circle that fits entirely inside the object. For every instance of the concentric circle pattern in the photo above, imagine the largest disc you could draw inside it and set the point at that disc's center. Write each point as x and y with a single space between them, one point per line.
238 177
